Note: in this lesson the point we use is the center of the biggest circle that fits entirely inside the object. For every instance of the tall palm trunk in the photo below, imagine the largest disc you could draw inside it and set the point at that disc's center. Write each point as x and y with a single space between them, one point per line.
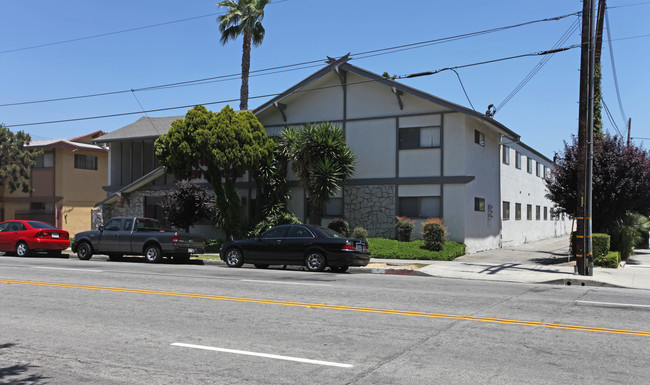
245 69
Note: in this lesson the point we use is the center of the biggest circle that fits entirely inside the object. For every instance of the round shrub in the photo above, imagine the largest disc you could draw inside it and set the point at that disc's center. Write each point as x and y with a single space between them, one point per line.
434 236
404 227
360 233
340 226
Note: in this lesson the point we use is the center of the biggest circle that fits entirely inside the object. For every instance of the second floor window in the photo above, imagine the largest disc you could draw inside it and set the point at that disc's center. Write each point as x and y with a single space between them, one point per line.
506 155
45 160
419 137
86 162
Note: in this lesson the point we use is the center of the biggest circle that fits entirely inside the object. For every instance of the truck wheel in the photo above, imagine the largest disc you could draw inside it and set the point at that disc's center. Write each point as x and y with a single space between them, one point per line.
84 251
153 254
22 250
234 258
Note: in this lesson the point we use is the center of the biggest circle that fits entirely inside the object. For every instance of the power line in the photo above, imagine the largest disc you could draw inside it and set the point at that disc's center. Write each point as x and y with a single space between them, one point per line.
119 32
276 94
569 32
609 116
357 56
428 73
611 56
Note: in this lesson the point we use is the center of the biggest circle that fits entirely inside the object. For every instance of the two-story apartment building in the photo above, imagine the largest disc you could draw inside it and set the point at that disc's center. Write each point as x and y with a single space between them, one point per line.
418 156
67 182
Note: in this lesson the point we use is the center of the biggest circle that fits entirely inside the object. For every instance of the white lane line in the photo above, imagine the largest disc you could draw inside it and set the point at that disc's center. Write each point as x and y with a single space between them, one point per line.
614 304
286 283
264 355
66 268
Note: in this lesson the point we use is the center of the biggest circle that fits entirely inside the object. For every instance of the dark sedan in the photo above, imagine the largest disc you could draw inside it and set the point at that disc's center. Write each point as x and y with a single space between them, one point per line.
314 247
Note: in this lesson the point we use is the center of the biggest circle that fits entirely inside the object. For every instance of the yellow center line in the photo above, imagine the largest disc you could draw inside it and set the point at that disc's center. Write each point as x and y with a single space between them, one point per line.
338 307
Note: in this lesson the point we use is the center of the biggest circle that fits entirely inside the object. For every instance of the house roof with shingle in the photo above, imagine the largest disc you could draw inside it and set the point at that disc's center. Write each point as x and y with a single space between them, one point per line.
143 128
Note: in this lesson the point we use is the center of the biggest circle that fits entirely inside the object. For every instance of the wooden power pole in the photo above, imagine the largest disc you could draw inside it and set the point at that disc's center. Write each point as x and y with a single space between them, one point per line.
584 254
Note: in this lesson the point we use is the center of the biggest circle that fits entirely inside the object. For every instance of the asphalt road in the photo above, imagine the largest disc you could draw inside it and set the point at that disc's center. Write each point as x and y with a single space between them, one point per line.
66 321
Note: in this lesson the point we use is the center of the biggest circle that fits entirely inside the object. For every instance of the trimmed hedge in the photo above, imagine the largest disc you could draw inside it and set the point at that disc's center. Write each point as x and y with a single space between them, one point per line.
341 226
212 245
610 260
404 227
359 233
434 236
600 244
392 249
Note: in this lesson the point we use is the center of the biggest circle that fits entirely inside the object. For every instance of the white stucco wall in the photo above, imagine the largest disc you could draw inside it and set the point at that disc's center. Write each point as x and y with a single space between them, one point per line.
366 139
519 186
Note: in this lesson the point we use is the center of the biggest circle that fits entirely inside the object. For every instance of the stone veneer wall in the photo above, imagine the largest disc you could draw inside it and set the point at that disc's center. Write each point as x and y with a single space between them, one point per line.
371 207
133 205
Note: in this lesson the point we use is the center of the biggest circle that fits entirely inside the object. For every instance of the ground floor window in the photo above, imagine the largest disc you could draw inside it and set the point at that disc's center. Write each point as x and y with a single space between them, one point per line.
479 204
529 212
333 208
506 210
153 208
517 211
420 207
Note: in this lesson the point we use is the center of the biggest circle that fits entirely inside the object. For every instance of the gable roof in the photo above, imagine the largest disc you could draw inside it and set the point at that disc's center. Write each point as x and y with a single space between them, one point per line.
343 65
143 128
80 143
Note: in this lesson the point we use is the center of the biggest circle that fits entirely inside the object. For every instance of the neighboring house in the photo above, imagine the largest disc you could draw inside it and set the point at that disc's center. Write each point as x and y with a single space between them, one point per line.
417 156
67 182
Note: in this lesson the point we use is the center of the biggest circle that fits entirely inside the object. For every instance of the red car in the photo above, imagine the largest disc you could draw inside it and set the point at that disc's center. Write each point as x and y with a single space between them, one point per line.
22 237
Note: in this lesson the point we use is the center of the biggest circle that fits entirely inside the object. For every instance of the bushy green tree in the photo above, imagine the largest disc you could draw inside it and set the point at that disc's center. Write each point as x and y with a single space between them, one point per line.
218 146
15 160
187 204
243 17
621 180
322 161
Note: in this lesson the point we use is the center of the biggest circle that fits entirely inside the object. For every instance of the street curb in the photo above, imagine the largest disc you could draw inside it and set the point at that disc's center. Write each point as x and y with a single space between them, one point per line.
378 270
582 282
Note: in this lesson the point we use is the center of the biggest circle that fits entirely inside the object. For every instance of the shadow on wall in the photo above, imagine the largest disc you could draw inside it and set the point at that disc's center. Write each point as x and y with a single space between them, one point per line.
19 374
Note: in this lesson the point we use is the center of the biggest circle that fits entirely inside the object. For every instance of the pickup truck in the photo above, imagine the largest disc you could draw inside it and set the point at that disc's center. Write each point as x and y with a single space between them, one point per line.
136 236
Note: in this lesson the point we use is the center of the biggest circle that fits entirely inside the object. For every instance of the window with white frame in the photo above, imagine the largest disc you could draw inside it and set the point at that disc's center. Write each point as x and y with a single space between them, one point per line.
506 155
506 211
479 204
45 160
518 160
419 137
479 138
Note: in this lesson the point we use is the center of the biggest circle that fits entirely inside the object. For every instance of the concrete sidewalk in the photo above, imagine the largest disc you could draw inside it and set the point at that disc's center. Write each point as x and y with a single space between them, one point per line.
543 261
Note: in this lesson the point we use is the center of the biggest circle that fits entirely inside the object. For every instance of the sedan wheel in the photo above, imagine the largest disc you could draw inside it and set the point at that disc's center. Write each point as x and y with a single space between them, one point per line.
153 254
339 269
22 250
234 258
315 261
84 251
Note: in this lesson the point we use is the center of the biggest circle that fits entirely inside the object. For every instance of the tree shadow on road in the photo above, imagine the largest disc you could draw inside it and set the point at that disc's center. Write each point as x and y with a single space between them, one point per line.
19 374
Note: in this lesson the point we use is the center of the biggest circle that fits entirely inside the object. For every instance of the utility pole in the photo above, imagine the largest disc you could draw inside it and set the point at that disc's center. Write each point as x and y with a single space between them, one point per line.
584 254
629 129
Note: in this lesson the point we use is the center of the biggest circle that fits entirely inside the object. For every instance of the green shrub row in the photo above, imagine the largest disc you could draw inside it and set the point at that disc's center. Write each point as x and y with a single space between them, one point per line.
611 260
600 244
393 249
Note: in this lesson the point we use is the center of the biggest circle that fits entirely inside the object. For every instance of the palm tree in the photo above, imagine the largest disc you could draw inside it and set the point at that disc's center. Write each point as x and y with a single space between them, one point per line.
322 161
244 17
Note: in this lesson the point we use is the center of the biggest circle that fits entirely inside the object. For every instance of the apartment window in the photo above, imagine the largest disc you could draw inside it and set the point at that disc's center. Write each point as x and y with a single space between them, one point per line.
506 210
518 211
529 212
479 204
420 207
41 206
479 138
545 213
333 208
537 212
419 137
518 160
45 160
530 166
506 155
538 171
86 162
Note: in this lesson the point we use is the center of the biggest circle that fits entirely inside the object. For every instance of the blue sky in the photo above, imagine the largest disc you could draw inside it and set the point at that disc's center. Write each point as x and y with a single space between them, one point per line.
544 112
